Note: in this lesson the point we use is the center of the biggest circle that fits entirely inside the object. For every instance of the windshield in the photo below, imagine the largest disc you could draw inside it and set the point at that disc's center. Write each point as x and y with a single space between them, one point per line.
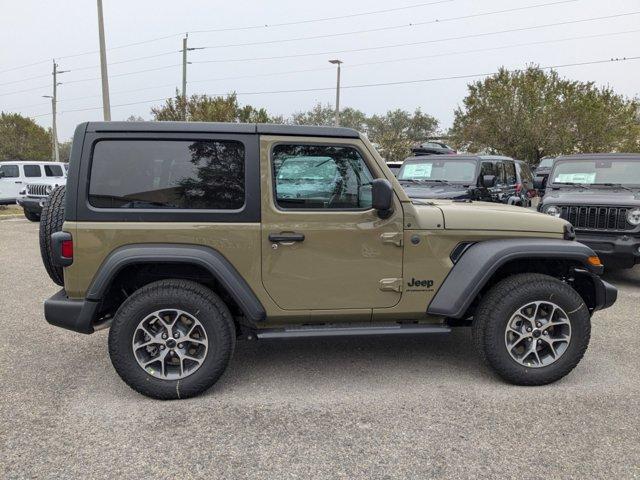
546 162
463 171
595 172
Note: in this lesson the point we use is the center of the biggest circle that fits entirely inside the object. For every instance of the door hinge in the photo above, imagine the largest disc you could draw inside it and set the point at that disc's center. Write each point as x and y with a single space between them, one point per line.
394 238
391 284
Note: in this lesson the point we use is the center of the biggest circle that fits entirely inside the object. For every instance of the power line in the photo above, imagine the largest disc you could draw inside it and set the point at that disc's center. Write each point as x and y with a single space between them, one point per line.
424 42
391 27
350 66
325 19
230 29
371 85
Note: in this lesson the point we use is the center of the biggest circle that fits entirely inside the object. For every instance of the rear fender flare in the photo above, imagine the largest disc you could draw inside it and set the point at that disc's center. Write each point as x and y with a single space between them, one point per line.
208 258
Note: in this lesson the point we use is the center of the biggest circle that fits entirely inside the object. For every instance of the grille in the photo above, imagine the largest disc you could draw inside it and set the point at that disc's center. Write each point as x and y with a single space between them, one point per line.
596 218
37 190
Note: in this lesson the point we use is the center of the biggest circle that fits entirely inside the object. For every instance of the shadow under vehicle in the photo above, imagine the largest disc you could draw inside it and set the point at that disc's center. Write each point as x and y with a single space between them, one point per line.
600 195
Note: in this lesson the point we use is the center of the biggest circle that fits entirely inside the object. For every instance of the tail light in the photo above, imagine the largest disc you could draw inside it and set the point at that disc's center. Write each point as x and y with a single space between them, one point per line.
61 249
66 249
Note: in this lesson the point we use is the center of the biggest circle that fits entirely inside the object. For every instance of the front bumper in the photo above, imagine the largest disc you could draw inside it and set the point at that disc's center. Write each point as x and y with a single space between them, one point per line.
32 204
76 315
617 251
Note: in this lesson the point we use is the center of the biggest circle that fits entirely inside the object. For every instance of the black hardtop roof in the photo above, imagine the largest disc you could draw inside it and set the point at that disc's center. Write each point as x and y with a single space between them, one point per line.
457 156
219 127
596 156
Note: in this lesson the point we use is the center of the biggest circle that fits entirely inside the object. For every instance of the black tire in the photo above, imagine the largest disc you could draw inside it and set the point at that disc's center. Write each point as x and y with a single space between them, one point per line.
194 299
51 220
31 216
502 301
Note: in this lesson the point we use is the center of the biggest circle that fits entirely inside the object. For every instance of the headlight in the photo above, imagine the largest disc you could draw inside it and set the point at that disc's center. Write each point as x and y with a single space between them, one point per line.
633 216
552 210
49 189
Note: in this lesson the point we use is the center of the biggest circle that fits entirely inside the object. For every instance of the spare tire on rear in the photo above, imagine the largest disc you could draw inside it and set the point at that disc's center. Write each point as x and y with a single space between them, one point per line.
51 220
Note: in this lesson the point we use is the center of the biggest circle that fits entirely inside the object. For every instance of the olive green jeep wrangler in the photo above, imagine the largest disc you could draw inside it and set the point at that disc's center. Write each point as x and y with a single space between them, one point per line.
185 237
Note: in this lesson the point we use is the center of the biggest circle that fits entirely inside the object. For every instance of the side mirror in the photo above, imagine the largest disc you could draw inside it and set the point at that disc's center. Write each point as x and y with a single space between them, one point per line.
539 183
488 181
382 197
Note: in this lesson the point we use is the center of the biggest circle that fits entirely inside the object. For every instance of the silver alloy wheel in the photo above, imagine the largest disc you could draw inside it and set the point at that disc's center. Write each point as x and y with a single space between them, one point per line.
170 344
538 334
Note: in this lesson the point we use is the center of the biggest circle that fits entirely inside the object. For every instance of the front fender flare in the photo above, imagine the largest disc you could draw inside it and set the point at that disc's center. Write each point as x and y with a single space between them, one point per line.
480 261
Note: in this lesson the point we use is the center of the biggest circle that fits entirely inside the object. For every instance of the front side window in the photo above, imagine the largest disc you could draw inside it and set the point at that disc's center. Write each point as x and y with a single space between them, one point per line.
9 171
438 170
320 177
167 174
53 170
625 172
31 171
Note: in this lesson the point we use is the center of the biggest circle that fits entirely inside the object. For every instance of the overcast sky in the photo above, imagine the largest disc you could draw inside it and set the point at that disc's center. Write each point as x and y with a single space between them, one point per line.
36 31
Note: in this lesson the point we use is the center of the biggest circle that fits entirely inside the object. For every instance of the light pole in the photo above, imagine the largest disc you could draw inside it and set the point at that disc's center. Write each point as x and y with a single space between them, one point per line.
106 105
338 63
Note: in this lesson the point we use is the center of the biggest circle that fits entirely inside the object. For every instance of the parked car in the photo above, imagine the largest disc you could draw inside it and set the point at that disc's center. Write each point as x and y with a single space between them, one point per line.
177 237
33 195
488 178
15 175
600 195
433 147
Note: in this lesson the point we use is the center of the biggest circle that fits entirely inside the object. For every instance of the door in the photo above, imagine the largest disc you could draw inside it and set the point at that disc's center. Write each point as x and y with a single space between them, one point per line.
10 182
323 245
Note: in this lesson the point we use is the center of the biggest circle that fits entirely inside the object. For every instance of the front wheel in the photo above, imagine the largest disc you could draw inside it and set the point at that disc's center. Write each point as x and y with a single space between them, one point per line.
532 329
172 339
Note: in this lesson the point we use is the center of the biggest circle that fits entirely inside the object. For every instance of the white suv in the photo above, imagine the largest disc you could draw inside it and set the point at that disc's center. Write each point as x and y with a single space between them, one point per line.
29 183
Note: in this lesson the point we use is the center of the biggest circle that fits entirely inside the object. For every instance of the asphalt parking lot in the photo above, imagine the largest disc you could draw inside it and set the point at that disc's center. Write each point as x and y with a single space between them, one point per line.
338 408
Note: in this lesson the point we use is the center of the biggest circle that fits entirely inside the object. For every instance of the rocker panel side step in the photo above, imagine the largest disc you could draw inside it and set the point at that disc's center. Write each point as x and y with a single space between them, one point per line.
347 331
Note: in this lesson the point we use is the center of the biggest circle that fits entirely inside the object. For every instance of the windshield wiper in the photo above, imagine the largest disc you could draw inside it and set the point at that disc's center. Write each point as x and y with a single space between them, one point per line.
617 185
573 184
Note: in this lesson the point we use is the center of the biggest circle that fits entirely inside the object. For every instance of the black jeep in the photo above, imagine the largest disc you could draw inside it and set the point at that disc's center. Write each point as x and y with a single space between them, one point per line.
488 178
600 195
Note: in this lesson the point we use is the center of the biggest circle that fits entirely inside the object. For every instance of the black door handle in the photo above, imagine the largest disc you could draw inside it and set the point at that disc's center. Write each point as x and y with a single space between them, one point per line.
286 237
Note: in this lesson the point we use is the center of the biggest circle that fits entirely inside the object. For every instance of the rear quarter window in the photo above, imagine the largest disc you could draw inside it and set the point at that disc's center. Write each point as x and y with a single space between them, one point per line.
168 174
53 171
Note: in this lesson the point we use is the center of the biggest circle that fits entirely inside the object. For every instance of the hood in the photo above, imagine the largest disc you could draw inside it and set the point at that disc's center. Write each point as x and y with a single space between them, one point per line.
435 190
593 196
491 217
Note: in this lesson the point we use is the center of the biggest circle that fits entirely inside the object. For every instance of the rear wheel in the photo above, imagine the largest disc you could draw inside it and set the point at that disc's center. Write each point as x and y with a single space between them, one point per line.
31 216
51 220
532 329
172 339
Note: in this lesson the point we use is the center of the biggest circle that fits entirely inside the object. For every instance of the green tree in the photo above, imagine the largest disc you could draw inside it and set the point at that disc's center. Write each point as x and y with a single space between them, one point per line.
326 115
23 139
395 132
64 150
530 114
205 108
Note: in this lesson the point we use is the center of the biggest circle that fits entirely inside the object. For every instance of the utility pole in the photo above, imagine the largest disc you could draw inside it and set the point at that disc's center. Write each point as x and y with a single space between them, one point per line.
185 49
55 151
338 63
184 76
106 105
